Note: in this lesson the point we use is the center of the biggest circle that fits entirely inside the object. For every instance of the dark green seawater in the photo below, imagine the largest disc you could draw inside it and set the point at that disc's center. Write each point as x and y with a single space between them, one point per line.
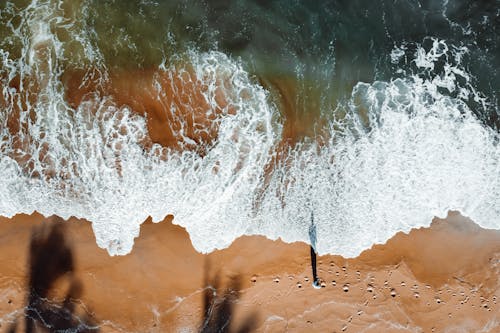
323 47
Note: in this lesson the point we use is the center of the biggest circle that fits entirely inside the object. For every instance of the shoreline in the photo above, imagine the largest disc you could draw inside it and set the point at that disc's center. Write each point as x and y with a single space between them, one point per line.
439 277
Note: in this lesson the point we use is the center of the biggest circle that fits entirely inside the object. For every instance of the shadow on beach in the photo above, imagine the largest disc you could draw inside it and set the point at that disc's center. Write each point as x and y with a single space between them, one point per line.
53 291
219 308
51 262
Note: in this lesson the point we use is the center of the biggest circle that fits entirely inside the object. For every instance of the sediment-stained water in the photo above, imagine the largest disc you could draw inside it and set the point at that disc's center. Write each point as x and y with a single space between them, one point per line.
251 117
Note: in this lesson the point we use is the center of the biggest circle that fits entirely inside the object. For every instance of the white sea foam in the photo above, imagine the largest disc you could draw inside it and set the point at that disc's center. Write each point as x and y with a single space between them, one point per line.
79 176
405 153
422 157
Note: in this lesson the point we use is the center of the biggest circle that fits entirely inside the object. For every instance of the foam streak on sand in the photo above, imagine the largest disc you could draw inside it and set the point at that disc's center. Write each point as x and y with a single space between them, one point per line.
408 149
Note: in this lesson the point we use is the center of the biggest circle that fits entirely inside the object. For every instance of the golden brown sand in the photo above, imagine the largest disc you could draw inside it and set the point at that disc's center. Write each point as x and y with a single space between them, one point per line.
443 279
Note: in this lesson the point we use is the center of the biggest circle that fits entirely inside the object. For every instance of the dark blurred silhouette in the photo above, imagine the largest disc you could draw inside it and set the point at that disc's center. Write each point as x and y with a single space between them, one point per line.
219 309
51 260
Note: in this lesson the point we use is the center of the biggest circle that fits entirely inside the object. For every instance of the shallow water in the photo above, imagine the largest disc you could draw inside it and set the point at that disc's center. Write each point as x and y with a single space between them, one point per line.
251 117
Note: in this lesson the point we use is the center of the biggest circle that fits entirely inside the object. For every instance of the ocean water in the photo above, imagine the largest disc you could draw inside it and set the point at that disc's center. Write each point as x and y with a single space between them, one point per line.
358 119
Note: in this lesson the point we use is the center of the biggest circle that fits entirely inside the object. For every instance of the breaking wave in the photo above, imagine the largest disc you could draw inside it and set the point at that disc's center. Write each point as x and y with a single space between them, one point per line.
405 149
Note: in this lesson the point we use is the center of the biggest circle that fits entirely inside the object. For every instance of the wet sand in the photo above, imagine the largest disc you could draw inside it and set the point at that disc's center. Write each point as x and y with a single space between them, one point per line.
443 279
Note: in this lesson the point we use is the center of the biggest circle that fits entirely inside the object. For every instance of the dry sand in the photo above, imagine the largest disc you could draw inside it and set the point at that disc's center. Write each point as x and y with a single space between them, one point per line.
439 279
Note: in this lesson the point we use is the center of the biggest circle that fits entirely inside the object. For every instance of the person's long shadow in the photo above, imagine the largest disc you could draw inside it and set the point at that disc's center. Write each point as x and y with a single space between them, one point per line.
219 309
50 261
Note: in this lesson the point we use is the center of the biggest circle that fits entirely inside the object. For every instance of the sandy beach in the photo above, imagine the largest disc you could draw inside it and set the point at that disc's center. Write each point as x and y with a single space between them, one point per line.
444 278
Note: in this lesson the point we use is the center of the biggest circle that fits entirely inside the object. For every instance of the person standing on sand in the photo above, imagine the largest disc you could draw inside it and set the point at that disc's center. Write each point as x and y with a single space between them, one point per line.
312 239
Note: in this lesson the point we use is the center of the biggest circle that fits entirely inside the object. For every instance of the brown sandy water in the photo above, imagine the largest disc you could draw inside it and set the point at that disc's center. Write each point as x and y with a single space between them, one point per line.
444 278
